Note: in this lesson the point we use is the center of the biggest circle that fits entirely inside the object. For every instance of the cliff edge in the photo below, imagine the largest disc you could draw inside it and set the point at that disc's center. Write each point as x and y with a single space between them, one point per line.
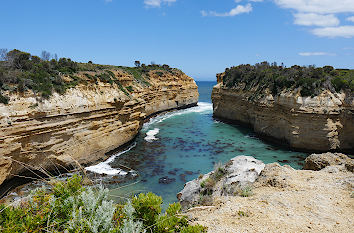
300 112
103 111
246 195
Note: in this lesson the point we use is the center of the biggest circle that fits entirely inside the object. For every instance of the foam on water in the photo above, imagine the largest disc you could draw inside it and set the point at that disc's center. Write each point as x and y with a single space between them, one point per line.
190 142
150 135
105 168
202 108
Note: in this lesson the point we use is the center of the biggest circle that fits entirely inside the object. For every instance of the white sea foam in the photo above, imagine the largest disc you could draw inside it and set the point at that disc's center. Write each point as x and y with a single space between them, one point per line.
203 108
105 168
150 135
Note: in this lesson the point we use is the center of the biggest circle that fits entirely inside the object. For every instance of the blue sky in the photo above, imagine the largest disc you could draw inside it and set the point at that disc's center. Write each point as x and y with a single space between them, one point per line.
201 37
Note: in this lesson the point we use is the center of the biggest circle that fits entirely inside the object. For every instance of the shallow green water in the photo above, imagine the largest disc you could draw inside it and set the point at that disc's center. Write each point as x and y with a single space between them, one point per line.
176 147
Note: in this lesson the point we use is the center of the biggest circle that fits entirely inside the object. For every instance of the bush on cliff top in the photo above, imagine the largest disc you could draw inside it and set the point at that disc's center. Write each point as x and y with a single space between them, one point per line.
311 80
21 71
70 207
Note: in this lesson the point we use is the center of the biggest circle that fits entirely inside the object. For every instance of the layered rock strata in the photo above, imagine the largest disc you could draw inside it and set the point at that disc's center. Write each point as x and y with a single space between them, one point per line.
320 123
85 123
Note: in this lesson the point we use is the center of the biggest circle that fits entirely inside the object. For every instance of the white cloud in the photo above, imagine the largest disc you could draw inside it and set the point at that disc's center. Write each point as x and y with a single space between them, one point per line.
204 13
318 6
240 9
312 19
306 54
341 31
321 13
157 3
255 0
351 18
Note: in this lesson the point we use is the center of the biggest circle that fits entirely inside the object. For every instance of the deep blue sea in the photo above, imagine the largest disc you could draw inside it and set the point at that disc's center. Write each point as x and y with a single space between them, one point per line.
176 147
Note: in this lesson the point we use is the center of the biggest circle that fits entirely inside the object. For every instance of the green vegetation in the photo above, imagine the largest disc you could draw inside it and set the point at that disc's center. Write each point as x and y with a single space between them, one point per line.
245 191
141 72
129 88
242 213
21 71
310 80
70 207
208 184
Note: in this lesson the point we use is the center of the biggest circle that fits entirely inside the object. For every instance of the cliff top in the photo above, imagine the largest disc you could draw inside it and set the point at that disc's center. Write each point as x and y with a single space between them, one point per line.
309 81
21 72
281 199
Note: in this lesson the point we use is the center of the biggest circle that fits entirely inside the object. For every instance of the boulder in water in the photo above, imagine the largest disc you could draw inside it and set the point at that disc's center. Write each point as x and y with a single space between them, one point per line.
166 180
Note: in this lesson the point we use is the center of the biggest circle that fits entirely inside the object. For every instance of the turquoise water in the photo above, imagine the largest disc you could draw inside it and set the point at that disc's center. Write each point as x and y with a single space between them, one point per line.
176 147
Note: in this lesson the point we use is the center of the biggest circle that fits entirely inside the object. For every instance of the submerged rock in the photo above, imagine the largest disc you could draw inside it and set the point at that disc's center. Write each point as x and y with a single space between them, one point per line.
166 180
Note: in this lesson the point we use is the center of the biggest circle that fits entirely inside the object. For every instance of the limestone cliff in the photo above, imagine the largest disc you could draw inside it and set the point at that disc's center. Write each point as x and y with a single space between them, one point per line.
320 123
86 122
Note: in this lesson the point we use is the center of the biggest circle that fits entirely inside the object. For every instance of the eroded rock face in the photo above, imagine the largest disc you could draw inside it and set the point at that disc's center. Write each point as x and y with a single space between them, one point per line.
317 162
321 123
286 200
275 175
223 181
86 122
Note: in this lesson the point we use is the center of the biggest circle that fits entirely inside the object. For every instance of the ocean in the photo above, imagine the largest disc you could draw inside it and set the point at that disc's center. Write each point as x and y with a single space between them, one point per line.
175 147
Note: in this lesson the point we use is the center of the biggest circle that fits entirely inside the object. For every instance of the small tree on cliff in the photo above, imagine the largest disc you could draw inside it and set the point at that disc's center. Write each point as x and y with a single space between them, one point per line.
137 63
45 55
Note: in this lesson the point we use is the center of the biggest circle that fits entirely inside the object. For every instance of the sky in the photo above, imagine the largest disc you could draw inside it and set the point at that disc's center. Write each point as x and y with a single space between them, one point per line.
200 37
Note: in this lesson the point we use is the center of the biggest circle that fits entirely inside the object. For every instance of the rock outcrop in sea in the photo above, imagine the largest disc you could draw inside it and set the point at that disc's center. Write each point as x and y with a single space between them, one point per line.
82 125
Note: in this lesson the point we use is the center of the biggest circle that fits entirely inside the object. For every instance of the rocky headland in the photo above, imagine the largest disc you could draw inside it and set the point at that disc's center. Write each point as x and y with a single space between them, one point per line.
305 108
90 119
245 195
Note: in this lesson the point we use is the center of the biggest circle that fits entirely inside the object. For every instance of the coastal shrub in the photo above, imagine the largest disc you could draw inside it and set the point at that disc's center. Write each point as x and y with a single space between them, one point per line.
140 74
209 183
245 191
159 73
92 212
171 221
4 99
147 207
20 71
205 200
130 224
309 80
120 86
219 171
129 88
91 77
242 213
70 207
26 72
